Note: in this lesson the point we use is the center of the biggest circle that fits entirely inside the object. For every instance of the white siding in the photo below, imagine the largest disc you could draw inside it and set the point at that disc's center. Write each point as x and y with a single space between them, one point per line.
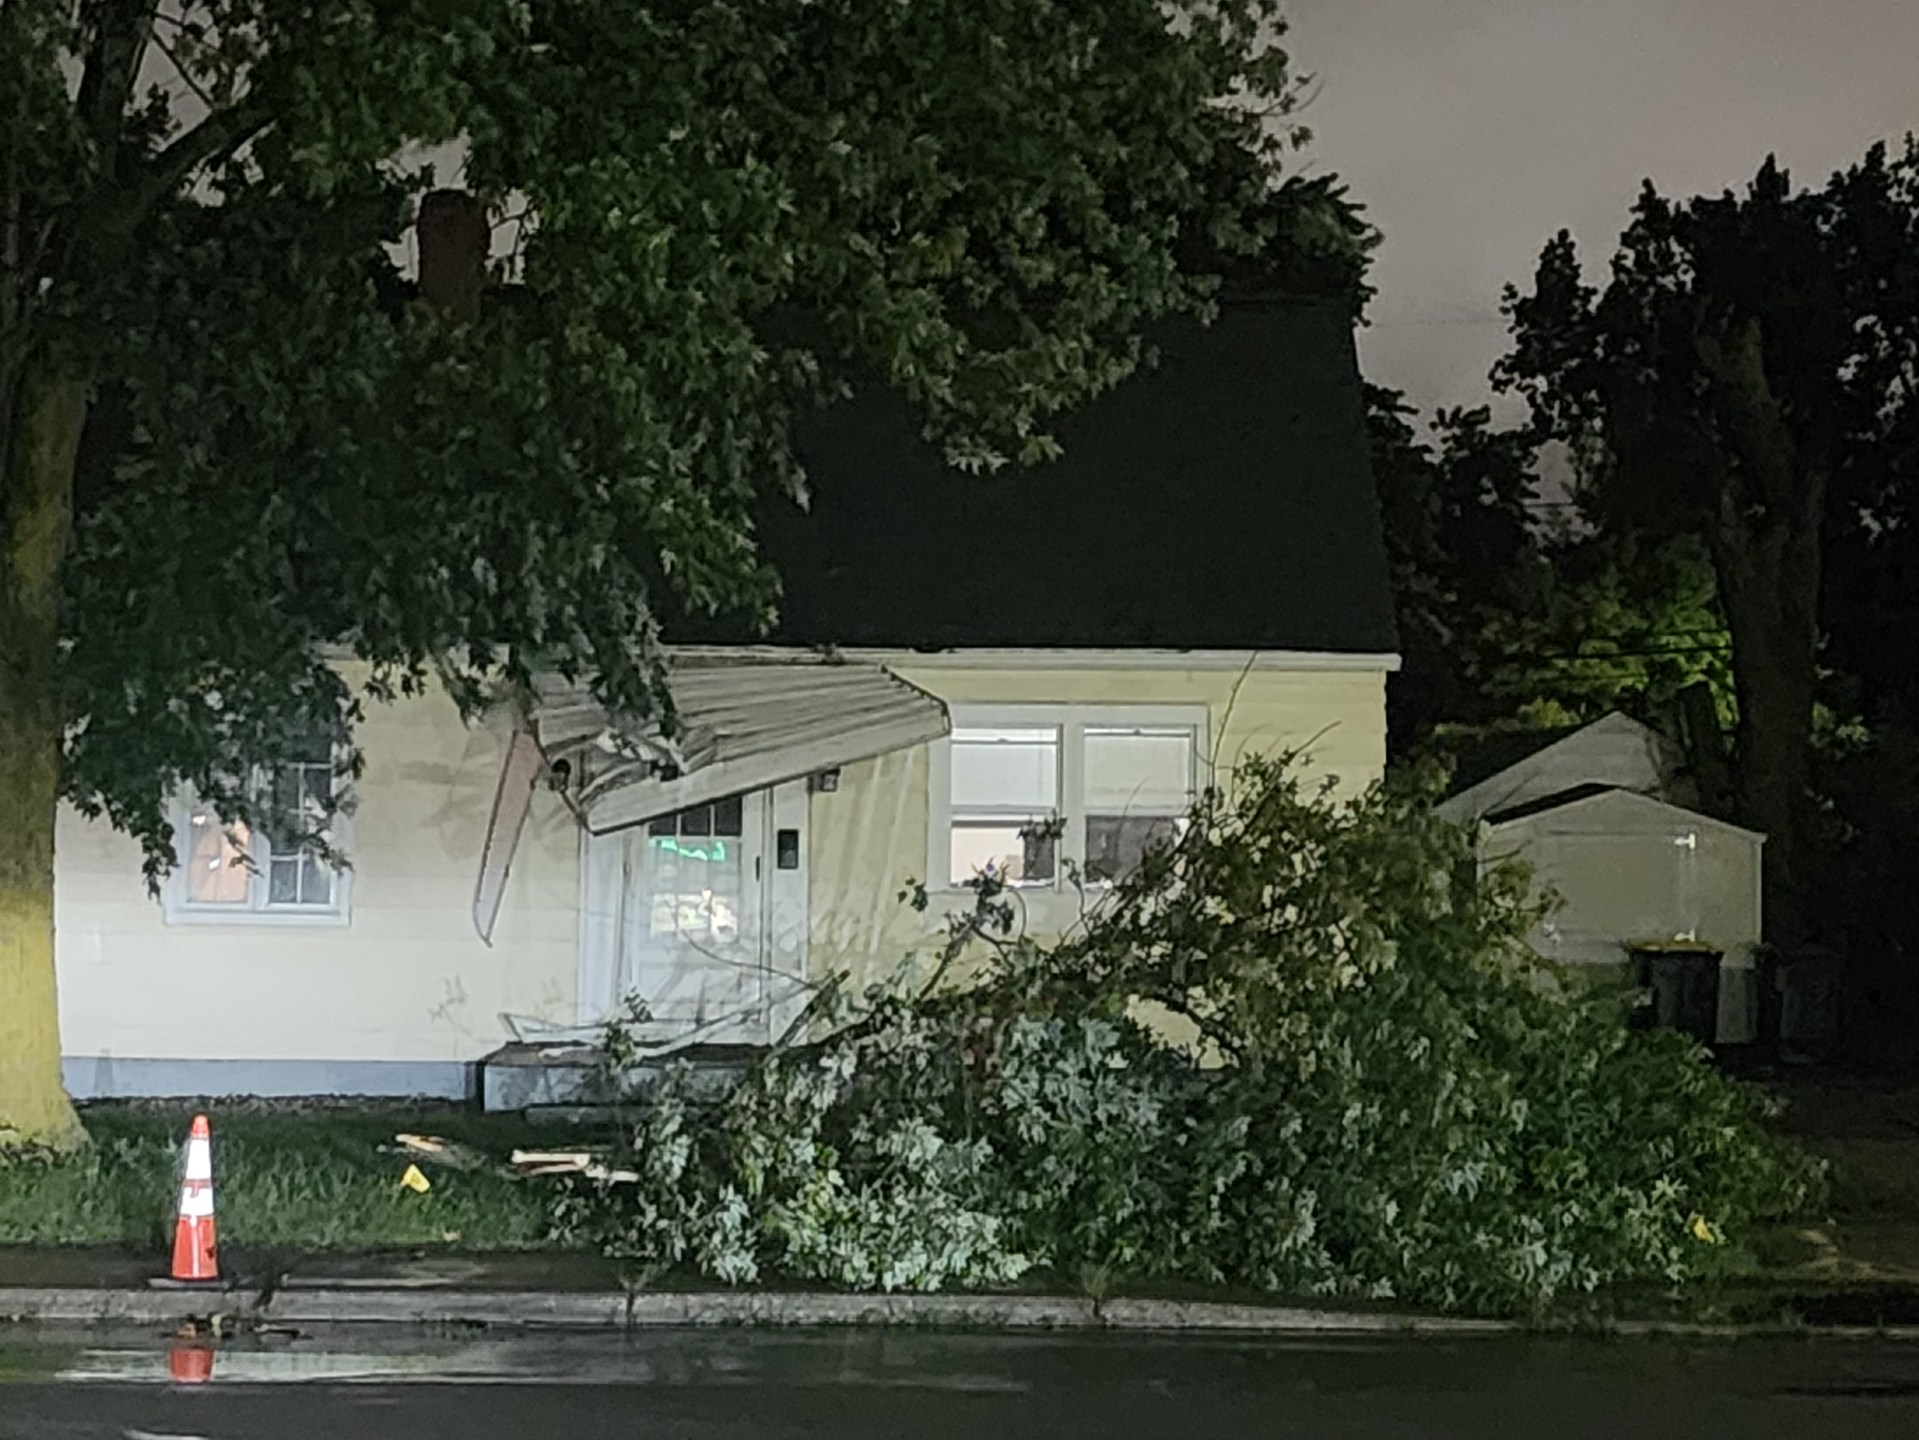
408 979
408 982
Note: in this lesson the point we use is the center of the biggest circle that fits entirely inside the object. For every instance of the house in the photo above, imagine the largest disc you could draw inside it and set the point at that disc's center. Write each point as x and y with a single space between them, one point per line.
1601 814
1201 577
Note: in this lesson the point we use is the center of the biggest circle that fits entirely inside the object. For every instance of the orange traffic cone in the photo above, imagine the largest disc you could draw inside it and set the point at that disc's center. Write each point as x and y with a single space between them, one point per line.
196 1259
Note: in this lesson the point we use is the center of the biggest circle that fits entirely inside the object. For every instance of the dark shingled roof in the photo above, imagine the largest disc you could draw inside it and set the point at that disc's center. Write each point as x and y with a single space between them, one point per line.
1224 500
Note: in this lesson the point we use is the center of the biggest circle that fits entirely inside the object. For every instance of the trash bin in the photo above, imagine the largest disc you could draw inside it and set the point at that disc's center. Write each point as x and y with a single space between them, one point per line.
1683 977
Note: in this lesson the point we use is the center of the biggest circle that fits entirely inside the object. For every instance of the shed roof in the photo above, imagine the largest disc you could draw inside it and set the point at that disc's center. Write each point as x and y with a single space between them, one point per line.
1586 794
1554 801
1480 757
1222 501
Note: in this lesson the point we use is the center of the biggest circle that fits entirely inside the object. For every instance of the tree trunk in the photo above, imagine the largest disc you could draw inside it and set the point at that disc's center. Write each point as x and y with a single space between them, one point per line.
1706 749
1765 541
1769 585
37 455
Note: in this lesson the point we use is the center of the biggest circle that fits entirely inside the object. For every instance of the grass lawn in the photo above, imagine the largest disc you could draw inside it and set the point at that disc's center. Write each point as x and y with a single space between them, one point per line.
304 1178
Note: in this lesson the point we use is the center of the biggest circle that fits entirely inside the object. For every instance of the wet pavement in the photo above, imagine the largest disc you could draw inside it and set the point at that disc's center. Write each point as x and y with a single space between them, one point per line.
855 1384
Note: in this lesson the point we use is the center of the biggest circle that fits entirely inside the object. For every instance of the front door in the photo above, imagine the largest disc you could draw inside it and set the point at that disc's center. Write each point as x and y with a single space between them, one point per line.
693 921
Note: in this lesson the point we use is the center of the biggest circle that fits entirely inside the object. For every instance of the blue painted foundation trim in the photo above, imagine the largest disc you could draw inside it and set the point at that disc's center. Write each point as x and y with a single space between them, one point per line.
114 1077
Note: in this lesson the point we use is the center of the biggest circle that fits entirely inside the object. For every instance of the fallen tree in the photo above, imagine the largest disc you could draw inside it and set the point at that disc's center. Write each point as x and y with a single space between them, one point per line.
1306 1050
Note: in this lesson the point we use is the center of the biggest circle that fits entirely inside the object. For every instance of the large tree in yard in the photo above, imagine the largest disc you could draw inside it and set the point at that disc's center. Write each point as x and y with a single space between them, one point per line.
237 442
1745 377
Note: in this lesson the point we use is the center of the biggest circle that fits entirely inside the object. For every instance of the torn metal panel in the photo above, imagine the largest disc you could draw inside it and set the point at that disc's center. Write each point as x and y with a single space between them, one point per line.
519 778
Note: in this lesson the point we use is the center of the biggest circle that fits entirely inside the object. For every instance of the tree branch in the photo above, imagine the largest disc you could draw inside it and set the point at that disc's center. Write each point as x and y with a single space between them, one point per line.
180 69
217 137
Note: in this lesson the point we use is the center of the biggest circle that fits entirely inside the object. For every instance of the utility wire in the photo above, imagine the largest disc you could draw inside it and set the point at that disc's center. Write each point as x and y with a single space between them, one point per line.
1573 656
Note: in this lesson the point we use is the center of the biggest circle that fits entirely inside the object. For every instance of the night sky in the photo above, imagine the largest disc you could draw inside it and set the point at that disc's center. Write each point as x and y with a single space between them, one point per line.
1474 129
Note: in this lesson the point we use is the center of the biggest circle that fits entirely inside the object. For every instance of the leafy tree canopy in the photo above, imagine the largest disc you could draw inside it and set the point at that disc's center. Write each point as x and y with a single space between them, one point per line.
288 460
1620 626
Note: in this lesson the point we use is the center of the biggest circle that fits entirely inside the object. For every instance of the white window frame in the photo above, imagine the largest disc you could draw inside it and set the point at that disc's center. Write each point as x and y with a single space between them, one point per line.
1072 722
1053 812
258 910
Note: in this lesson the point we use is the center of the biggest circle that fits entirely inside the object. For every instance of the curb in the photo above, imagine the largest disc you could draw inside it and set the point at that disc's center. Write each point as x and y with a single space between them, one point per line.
590 1310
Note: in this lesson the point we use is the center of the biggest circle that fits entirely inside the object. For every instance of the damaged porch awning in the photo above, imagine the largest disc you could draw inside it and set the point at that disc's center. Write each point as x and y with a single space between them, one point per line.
746 722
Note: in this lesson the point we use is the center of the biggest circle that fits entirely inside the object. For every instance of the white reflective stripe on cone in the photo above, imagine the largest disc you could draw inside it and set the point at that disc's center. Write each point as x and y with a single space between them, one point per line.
196 1199
199 1160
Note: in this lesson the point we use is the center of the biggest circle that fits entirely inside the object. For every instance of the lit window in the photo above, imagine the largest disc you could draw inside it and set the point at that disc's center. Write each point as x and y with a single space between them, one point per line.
216 872
269 871
1004 803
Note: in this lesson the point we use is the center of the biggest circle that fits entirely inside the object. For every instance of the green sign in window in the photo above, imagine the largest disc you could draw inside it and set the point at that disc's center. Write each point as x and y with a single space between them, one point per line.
713 851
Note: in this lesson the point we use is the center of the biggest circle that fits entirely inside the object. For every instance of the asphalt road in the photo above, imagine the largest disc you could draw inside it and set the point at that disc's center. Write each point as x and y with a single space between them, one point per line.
856 1384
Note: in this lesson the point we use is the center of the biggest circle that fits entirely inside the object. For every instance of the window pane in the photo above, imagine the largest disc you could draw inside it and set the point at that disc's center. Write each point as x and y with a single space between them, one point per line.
316 882
729 815
318 750
297 798
283 821
697 821
1017 853
319 786
214 874
1147 769
664 825
695 889
283 880
1116 843
1006 770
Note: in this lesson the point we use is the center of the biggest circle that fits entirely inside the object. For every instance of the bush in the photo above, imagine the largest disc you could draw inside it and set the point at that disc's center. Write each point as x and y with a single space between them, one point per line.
1403 1101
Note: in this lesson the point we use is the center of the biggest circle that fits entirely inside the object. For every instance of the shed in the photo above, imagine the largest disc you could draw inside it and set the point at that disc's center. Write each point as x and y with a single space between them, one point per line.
1629 869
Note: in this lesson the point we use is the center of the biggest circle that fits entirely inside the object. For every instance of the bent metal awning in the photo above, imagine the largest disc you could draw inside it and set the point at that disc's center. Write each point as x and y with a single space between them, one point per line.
746 722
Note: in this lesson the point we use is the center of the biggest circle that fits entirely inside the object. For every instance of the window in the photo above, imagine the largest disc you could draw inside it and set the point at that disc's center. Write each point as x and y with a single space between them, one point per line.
1005 797
1024 792
1139 787
695 872
268 873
